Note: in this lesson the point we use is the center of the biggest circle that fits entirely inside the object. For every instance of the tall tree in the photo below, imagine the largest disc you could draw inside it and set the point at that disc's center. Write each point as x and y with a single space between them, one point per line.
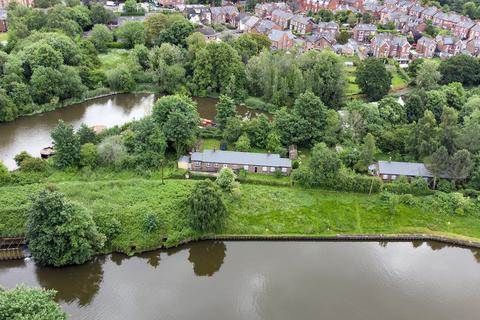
461 165
373 78
449 129
101 37
167 63
60 232
423 139
414 107
132 33
226 109
461 68
440 162
428 75
207 211
368 150
311 112
66 145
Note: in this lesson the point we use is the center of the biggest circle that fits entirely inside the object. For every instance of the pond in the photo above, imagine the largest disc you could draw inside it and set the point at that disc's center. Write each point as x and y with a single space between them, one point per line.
268 280
32 133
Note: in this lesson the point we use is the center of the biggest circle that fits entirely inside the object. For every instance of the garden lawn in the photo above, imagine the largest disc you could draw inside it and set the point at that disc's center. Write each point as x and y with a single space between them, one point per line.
113 58
258 210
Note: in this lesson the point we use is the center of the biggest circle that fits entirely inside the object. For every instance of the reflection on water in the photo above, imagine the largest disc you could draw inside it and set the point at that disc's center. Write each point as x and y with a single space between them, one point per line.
32 133
268 280
207 257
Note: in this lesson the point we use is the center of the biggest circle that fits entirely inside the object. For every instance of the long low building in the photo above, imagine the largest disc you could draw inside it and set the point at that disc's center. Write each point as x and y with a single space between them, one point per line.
215 160
392 170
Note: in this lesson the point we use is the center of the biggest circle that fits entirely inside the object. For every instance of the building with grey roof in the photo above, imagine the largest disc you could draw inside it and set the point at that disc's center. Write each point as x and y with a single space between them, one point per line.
392 170
215 160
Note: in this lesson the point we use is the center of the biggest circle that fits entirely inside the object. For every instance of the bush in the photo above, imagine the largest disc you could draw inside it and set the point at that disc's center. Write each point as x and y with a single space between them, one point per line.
451 203
207 212
445 186
226 180
120 79
295 164
259 104
21 156
151 222
243 143
112 151
34 164
88 155
210 133
4 174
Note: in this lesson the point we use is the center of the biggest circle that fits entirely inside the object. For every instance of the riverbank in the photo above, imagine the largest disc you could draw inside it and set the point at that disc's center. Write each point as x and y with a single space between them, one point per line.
259 211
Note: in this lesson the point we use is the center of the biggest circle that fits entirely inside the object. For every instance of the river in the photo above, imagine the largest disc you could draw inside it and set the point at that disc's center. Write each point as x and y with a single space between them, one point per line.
268 280
32 133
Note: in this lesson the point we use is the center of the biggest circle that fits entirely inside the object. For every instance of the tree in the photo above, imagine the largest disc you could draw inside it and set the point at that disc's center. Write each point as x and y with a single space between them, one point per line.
214 66
101 15
311 112
167 63
101 37
449 129
86 135
461 165
66 145
61 232
207 212
30 303
469 135
414 107
428 75
343 36
176 33
112 151
4 174
289 126
19 158
131 6
146 142
423 139
461 68
368 150
455 95
226 180
88 155
8 110
274 142
391 111
178 117
120 79
332 128
373 78
132 33
233 130
435 101
324 164
46 3
243 143
439 162
226 109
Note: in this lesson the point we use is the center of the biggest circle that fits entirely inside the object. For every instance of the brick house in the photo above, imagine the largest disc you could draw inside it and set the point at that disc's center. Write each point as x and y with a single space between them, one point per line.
316 5
429 13
199 14
329 27
320 41
4 3
282 18
225 14
362 32
265 26
170 3
446 20
264 10
474 32
247 23
393 170
3 21
473 47
462 29
301 24
415 11
426 47
450 45
215 160
281 39
386 45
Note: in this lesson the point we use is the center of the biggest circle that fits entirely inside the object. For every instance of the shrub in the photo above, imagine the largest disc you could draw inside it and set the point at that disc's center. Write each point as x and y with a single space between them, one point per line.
112 151
33 164
445 185
88 155
258 104
151 222
207 212
21 156
120 79
4 174
243 143
451 203
295 164
226 180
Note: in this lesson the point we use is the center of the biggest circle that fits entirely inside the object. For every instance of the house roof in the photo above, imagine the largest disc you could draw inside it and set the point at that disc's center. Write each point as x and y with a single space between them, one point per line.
365 27
242 158
328 25
301 19
276 35
413 169
282 14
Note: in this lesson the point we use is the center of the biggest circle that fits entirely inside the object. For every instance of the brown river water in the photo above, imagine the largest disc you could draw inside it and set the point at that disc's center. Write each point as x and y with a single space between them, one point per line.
268 280
32 133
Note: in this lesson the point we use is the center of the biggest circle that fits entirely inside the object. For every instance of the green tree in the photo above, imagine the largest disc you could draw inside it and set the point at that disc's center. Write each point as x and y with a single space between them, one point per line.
178 117
120 79
132 33
455 95
332 128
176 33
46 3
131 6
66 145
61 232
243 143
414 107
324 164
435 101
274 142
207 212
30 303
88 155
428 75
4 174
368 150
233 130
101 15
343 36
101 37
146 142
461 165
19 158
469 135
461 68
439 163
391 111
423 139
373 78
86 135
312 114
167 63
449 129
226 109
8 110
226 180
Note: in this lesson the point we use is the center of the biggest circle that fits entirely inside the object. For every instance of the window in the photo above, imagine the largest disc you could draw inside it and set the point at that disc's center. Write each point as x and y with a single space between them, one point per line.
264 169
394 177
245 167
272 169
284 170
225 165
384 176
215 165
197 163
208 164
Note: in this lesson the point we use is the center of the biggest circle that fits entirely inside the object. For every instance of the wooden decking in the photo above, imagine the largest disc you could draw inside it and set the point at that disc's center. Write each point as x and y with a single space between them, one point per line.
12 248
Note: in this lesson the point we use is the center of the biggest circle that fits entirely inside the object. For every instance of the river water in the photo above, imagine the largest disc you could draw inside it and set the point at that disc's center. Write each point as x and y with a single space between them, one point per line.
32 133
268 280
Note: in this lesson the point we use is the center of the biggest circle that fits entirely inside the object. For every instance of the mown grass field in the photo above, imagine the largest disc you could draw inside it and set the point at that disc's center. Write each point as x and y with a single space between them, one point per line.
113 58
258 210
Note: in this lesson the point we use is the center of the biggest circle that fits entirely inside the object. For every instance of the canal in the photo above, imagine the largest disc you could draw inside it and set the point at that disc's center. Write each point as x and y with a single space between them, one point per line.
268 280
32 133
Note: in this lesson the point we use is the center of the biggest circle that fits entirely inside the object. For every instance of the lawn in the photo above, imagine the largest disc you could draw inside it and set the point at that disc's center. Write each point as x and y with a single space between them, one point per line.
258 210
113 58
3 36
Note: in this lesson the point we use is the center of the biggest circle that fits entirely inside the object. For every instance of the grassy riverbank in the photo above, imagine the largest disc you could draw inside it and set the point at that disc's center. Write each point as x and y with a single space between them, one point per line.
259 210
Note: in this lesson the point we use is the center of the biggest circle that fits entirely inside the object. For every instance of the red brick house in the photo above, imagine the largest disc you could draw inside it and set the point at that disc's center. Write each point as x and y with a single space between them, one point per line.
265 26
474 32
320 41
282 18
225 14
281 39
429 13
330 27
316 5
27 3
426 47
3 21
447 20
386 45
362 32
301 24
415 11
449 45
170 3
215 160
264 10
473 47
462 29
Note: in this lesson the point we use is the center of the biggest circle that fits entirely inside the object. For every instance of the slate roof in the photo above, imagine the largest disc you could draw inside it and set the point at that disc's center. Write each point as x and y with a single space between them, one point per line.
276 35
365 27
241 158
412 169
301 19
282 14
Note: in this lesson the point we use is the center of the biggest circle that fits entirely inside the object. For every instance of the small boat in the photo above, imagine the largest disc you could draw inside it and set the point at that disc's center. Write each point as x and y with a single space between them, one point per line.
98 128
47 152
